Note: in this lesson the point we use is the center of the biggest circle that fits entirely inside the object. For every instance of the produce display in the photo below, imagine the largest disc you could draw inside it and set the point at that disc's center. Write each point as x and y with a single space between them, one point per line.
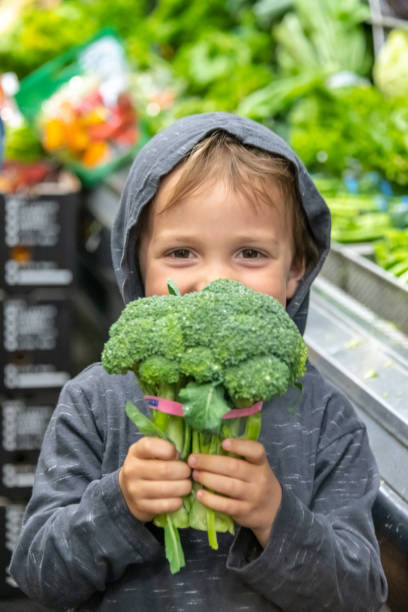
22 144
18 176
79 125
391 67
96 79
314 41
81 107
357 218
305 68
355 129
366 211
391 253
216 351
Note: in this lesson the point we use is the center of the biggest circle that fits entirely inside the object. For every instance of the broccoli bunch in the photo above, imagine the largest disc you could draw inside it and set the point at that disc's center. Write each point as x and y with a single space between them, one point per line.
227 336
225 347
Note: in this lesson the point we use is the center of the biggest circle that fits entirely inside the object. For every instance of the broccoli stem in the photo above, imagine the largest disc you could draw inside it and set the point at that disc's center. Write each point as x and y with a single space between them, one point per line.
215 445
214 449
195 444
184 453
173 547
253 427
187 440
179 434
230 428
166 390
161 419
175 430
212 532
209 444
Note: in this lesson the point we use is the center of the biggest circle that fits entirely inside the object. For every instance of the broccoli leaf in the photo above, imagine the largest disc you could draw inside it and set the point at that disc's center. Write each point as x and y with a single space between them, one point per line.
143 423
172 288
203 406
174 550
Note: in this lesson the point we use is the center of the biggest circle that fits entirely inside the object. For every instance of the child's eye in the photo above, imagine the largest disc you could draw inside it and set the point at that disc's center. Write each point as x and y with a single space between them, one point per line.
250 254
181 253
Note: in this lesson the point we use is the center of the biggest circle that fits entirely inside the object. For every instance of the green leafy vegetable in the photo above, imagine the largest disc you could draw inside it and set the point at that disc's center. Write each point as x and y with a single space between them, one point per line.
22 144
222 348
324 36
352 129
174 550
203 405
391 65
391 253
145 425
172 287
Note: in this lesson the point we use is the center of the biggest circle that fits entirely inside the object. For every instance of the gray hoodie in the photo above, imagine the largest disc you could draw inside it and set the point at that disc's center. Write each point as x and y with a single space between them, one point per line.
80 546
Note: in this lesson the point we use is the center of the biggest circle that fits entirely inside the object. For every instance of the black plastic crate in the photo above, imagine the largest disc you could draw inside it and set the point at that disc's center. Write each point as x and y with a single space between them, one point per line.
39 320
30 371
38 240
35 340
17 476
23 422
11 516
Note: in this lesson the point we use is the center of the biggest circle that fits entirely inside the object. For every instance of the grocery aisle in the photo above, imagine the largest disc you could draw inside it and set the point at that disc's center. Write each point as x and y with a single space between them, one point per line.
78 100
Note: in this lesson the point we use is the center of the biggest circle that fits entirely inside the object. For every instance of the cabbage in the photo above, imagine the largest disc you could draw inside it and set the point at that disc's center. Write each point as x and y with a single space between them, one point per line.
391 66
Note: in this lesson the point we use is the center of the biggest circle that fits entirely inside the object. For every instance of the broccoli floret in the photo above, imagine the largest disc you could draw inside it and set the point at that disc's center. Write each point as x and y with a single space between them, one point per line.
226 334
159 376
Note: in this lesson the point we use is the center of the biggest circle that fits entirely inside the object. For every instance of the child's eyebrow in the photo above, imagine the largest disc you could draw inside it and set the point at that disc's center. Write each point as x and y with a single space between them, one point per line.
176 237
253 238
257 240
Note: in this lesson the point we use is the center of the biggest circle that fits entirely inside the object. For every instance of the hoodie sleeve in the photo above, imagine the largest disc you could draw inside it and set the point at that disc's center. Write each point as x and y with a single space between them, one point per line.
323 555
77 533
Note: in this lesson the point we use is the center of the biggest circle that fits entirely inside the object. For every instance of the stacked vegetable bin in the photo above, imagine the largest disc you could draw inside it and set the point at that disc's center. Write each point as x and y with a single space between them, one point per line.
37 264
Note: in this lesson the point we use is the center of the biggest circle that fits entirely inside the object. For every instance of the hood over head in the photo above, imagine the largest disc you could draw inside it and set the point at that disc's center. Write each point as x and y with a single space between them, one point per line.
163 152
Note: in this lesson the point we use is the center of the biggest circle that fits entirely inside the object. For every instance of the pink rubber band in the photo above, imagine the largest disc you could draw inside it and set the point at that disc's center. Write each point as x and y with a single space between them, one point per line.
175 408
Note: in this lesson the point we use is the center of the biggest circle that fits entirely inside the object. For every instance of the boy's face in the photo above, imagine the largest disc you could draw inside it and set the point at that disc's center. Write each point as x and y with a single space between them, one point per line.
217 233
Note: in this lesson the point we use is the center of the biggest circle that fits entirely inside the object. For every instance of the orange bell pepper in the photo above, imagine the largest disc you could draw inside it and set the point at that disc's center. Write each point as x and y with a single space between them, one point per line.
95 154
54 135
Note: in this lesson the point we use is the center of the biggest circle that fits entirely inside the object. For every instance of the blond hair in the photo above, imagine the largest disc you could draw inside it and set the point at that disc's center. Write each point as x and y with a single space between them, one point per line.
250 171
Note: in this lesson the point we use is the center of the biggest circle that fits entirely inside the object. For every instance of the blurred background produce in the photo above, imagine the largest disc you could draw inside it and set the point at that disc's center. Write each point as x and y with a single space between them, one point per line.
84 83
306 68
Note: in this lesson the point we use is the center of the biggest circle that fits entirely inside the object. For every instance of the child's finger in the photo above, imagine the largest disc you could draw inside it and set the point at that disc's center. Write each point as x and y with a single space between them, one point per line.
153 507
225 505
153 469
154 448
221 464
156 489
224 485
254 452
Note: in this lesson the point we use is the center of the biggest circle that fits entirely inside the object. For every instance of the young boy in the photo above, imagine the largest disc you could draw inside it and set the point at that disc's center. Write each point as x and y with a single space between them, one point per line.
212 196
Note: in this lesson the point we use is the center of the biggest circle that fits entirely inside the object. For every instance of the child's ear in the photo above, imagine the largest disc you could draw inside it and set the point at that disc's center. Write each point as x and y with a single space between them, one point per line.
296 273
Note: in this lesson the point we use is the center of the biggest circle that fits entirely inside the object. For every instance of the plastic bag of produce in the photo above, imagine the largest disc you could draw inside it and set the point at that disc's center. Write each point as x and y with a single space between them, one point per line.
81 106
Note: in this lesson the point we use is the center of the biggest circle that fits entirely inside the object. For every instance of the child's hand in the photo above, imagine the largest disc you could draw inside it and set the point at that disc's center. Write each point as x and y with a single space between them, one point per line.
245 488
152 480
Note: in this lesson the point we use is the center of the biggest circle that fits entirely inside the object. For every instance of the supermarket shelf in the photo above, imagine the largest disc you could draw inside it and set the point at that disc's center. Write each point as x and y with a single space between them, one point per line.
383 18
367 358
351 268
